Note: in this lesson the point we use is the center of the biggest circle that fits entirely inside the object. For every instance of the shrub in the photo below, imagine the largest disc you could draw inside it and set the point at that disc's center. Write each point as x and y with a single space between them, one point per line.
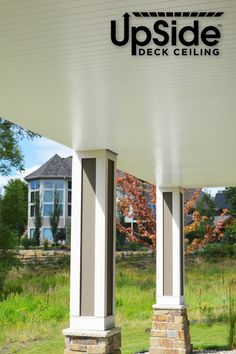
12 287
8 241
206 312
229 236
216 250
45 245
26 242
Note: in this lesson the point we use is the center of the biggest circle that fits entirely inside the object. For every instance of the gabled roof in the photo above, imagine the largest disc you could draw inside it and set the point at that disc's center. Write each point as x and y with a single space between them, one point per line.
223 219
220 201
188 194
55 167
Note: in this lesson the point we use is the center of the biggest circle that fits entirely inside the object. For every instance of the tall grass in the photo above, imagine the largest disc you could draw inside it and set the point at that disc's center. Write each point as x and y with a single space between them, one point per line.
232 315
35 307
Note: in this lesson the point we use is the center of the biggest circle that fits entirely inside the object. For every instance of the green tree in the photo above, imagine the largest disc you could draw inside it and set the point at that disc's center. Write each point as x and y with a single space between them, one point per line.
55 216
206 207
7 250
38 220
11 155
14 206
230 196
230 234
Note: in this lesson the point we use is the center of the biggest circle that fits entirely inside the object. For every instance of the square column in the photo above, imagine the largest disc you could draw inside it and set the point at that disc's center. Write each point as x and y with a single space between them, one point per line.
92 280
170 327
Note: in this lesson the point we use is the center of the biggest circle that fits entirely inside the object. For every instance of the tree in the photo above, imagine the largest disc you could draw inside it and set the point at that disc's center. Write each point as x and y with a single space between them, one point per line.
14 206
11 155
133 198
206 207
38 220
230 234
55 216
230 196
7 250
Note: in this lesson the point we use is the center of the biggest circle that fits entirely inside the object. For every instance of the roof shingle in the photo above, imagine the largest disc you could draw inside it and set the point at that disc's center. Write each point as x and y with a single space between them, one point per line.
55 167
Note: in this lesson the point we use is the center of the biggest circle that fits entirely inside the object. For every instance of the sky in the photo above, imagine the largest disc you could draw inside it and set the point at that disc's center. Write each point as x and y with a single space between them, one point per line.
40 150
36 153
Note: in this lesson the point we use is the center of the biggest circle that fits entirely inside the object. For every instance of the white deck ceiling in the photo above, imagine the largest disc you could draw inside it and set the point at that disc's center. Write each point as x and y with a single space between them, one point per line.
169 118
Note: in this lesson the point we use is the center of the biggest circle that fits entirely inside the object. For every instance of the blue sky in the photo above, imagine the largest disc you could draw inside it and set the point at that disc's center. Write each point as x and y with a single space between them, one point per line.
36 152
39 150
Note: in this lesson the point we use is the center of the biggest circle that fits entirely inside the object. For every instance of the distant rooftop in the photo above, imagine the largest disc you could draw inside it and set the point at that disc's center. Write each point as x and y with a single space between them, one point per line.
220 201
55 167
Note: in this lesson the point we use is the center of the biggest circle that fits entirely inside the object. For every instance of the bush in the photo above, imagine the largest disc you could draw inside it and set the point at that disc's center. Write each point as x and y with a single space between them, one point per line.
26 242
229 237
45 245
120 240
216 250
8 241
12 287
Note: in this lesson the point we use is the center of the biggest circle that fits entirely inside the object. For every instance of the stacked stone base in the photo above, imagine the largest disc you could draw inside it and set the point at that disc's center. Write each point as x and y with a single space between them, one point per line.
170 332
92 342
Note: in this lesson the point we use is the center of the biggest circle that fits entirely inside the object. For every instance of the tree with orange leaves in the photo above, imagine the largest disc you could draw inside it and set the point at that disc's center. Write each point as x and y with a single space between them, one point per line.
134 198
203 230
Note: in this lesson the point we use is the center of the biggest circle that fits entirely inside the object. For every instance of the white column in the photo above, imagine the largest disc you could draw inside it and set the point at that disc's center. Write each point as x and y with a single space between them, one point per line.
170 246
93 241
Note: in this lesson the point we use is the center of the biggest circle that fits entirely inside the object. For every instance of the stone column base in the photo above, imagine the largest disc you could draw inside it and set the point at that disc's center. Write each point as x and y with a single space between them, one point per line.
170 331
92 342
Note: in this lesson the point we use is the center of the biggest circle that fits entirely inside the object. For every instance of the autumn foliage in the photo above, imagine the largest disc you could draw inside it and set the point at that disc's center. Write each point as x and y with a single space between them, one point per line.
134 197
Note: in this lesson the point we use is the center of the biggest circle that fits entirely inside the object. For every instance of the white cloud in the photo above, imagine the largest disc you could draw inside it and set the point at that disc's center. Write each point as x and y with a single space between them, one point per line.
20 175
213 190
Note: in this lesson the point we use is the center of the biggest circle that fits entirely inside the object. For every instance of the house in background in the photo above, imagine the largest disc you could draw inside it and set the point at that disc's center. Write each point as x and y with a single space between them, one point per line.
54 175
188 194
221 204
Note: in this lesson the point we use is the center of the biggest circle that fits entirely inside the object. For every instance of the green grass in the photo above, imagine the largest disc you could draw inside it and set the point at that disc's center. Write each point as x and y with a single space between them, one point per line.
209 337
36 308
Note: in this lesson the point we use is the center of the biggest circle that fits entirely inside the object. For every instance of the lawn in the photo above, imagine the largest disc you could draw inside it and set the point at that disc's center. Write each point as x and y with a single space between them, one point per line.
36 305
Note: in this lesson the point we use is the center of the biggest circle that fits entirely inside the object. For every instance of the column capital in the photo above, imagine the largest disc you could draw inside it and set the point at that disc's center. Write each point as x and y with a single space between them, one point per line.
105 153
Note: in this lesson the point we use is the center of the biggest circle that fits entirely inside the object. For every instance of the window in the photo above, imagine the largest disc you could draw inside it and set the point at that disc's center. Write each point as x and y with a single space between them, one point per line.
50 187
34 184
33 196
34 191
59 184
69 210
31 233
152 207
48 184
69 198
48 196
31 211
47 209
47 234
